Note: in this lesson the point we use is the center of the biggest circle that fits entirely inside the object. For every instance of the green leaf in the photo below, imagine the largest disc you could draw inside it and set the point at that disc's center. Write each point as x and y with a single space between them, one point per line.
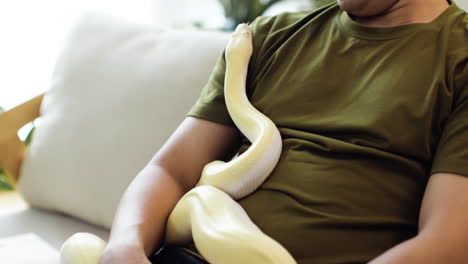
4 182
29 137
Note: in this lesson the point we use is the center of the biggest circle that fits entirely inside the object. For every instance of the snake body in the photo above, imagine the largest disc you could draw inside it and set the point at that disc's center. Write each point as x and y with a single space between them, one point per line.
208 214
222 231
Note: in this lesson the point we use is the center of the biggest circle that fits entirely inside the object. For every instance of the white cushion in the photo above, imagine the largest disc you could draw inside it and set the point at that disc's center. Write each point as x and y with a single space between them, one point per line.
463 4
118 91
51 227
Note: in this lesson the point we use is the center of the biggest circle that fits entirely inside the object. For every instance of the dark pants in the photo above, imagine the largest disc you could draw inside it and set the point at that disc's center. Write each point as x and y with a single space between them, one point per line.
175 255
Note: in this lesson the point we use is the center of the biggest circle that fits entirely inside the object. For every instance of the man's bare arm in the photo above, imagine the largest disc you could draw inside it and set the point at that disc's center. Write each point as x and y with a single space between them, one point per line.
443 226
141 217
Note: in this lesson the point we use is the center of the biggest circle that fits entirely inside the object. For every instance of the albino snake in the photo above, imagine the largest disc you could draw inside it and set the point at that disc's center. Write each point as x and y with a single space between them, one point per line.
220 228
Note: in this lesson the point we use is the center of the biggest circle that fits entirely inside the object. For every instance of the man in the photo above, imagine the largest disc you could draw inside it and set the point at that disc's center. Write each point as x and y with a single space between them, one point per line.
371 99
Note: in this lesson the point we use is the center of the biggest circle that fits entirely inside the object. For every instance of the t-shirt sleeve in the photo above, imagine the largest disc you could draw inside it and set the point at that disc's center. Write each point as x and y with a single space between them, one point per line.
211 104
452 152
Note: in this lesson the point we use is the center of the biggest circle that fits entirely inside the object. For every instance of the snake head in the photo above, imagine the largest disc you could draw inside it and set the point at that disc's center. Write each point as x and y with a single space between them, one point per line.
240 44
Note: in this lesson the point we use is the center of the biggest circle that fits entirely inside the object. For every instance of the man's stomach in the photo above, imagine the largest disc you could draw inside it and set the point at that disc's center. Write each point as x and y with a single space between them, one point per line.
333 208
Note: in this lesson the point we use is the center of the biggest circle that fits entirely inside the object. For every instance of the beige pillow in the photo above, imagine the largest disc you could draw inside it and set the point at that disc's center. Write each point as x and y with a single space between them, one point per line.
117 93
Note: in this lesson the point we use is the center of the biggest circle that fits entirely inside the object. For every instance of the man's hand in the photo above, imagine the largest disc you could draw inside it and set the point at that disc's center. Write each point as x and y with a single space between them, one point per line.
124 254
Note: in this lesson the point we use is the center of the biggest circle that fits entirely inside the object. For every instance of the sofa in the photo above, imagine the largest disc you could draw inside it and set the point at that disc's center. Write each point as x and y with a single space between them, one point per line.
117 92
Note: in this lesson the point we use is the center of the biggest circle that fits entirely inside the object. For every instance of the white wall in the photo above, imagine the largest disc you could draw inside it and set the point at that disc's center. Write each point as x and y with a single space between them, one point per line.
182 13
31 32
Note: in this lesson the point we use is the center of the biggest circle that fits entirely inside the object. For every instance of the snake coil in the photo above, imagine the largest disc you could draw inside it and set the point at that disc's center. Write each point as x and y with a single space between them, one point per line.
222 231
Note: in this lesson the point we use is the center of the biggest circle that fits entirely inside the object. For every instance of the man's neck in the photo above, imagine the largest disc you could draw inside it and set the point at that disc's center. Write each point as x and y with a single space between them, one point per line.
406 12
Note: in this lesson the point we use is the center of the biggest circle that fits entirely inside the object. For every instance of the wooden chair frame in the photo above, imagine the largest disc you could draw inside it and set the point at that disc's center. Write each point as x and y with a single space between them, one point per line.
12 149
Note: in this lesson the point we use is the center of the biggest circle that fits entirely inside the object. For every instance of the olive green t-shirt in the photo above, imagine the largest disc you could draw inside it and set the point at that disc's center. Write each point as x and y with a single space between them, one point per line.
366 116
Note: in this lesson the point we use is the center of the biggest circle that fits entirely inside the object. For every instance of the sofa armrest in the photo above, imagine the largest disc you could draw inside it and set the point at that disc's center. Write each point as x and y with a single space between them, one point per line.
12 149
